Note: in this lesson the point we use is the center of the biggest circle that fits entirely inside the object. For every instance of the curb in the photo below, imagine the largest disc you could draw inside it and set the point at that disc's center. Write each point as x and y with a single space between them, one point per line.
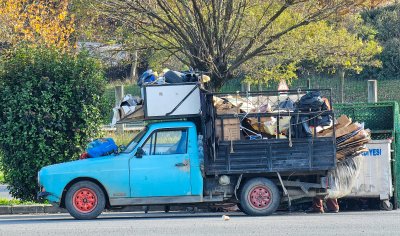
49 209
30 209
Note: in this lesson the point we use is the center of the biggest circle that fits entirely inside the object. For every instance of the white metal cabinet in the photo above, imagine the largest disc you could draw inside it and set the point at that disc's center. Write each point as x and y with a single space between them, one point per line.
172 100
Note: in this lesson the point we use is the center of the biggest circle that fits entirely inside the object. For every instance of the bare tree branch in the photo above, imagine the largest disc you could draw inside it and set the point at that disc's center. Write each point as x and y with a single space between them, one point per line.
219 36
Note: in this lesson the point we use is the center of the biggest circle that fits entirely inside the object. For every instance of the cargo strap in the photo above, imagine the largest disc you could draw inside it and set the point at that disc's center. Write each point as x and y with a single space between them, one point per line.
183 100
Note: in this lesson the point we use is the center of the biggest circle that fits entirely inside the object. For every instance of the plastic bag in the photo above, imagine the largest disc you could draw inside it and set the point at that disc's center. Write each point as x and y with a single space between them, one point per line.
147 77
311 101
342 178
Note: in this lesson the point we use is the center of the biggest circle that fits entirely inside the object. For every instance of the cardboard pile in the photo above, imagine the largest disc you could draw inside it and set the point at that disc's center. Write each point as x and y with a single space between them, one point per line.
269 125
277 121
224 107
229 130
230 127
350 137
234 105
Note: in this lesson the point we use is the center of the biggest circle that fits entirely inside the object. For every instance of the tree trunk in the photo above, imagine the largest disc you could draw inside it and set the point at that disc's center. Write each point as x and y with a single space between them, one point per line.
215 84
218 72
218 80
134 63
341 75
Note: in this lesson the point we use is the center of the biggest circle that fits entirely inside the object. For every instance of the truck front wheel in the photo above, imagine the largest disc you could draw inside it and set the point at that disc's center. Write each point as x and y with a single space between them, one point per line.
85 200
259 197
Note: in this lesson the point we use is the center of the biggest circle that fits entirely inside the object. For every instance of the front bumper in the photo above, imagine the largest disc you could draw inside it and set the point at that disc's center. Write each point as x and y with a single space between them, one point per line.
41 196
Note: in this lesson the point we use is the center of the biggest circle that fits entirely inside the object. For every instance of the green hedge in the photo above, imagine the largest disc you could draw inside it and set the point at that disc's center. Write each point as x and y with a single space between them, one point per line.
50 108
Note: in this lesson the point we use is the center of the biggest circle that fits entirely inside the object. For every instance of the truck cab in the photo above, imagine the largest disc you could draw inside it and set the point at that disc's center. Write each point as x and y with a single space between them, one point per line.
165 163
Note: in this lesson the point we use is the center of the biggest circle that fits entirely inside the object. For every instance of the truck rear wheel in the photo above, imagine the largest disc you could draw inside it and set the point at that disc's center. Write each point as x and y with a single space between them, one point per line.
240 207
259 197
85 200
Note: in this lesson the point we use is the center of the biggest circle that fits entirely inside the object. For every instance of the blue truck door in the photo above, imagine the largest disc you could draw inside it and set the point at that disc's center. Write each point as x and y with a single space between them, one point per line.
164 169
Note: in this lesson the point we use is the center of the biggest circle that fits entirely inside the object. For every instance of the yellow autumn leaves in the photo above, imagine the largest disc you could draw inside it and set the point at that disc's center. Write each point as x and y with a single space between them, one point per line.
36 21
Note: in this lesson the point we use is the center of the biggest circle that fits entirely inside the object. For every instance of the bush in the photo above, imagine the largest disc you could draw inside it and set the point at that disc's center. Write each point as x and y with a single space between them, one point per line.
2 181
49 111
1 177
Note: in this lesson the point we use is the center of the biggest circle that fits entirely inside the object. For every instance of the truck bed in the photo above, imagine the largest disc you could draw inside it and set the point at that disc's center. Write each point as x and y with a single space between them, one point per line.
273 155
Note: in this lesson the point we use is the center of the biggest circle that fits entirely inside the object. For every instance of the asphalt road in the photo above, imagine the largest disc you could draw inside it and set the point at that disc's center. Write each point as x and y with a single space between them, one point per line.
346 223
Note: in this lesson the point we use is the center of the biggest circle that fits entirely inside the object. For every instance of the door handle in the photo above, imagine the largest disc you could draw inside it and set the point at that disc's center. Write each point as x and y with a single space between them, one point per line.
181 164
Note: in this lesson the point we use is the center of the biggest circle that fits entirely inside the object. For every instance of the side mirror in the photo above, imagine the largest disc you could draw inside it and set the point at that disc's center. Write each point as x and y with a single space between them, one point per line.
121 148
139 152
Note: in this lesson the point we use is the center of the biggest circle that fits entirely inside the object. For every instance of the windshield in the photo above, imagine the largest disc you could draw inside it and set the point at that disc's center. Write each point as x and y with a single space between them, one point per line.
135 141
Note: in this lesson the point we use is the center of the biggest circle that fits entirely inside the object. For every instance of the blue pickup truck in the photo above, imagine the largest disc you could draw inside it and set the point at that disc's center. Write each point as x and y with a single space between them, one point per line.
183 162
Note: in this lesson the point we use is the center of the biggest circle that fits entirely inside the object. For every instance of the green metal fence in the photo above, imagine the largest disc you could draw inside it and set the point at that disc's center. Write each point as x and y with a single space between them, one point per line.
355 89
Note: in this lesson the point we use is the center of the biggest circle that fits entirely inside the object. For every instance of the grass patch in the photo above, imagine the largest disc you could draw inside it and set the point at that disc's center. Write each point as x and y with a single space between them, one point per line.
12 202
16 202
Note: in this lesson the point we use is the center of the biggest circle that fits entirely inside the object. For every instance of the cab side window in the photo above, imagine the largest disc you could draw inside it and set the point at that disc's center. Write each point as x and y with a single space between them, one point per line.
166 142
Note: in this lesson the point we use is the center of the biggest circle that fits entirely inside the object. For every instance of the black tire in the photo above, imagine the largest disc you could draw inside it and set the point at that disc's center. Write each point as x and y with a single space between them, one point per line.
85 200
266 204
240 207
385 206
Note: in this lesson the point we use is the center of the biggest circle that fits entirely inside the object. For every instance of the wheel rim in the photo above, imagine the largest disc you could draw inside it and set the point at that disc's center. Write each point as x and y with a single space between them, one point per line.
260 197
84 200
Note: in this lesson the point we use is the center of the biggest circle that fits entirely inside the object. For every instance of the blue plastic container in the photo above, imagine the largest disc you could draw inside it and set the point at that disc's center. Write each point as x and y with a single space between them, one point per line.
101 147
